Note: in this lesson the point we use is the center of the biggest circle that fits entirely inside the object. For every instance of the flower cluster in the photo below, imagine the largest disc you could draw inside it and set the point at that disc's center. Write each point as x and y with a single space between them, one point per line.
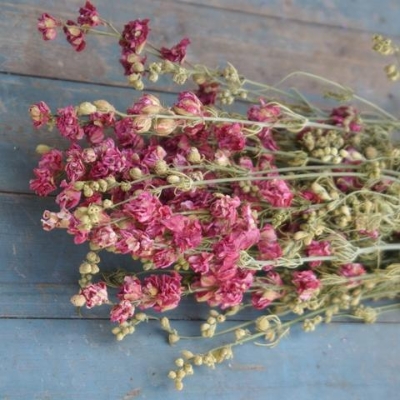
275 209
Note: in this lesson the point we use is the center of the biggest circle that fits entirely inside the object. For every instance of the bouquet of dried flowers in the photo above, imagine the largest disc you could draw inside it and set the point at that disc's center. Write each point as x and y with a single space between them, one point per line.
285 208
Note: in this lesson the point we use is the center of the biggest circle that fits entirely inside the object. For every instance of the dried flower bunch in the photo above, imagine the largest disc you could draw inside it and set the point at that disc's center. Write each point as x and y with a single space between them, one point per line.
285 208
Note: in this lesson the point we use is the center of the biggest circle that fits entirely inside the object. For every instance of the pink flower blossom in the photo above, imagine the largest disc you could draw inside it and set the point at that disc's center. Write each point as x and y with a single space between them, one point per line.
125 131
200 262
176 53
134 35
147 104
276 192
164 258
268 244
162 292
347 117
225 208
52 160
47 26
69 197
122 311
94 132
143 208
269 290
266 139
186 231
68 123
318 249
207 93
88 15
103 237
188 104
95 294
266 112
51 220
75 167
74 35
230 136
43 184
131 289
352 270
306 283
40 114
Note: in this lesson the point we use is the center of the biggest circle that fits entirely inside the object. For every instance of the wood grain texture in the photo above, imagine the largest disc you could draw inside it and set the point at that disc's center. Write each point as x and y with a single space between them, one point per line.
261 47
80 360
351 15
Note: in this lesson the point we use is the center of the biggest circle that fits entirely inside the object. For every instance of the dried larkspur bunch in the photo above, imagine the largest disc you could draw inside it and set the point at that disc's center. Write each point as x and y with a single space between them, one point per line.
286 208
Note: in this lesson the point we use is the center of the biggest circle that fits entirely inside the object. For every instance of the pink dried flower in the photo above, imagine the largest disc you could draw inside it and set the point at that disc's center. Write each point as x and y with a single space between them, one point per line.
268 245
51 220
306 283
164 258
225 208
67 123
188 104
47 26
95 294
267 139
162 292
131 289
276 192
266 112
125 131
268 291
103 237
200 262
230 136
134 35
94 132
347 117
88 15
43 184
186 231
143 208
74 35
40 114
317 249
69 197
147 104
352 270
122 311
75 167
207 93
53 160
176 53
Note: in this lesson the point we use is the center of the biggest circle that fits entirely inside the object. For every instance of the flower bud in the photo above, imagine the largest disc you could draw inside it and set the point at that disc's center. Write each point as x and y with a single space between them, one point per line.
104 106
86 108
164 126
78 300
42 149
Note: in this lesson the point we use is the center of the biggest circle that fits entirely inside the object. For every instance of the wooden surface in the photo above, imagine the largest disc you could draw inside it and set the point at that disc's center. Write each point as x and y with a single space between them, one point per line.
48 351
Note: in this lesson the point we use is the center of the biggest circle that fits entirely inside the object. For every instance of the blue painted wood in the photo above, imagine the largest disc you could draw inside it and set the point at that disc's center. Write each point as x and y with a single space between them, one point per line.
70 359
261 47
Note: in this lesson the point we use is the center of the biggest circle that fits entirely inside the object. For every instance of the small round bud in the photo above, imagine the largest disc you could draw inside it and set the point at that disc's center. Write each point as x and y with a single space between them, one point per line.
86 108
78 300
179 362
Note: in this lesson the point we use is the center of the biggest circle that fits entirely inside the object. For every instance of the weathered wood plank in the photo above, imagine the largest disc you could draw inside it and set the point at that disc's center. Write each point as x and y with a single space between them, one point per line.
263 48
354 15
81 360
